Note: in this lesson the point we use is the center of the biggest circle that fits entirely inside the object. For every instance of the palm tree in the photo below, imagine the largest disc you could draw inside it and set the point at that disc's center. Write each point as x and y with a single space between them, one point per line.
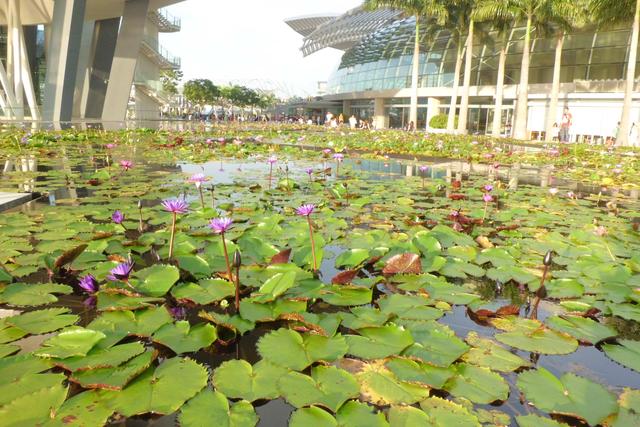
465 9
612 12
502 24
420 10
456 80
566 15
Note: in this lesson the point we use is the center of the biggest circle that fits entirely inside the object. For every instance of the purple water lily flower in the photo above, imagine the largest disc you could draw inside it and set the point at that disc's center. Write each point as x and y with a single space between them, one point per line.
220 225
423 168
117 217
326 151
126 164
110 146
600 231
121 271
338 157
89 284
176 206
553 191
305 210
488 198
271 160
178 313
488 188
309 171
198 178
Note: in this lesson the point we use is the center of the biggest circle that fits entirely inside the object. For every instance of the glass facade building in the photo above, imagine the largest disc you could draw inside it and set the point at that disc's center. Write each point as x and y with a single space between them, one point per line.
382 60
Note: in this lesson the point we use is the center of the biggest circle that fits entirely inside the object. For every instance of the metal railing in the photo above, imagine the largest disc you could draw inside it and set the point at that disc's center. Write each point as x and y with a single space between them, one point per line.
166 21
161 53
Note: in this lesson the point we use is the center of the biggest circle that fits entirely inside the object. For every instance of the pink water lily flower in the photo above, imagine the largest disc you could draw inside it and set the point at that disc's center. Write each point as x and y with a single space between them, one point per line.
305 210
126 164
176 206
220 225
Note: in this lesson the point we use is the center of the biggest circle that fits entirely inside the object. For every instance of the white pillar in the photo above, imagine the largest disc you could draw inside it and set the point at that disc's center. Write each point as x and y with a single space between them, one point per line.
433 109
380 119
125 60
84 69
15 36
62 58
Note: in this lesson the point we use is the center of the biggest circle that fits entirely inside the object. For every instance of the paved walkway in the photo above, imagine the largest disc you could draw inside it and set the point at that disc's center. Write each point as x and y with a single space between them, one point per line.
11 200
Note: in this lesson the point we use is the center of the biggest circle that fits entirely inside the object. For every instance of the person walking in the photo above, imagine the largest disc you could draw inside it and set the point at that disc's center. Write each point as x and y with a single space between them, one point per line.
353 122
633 135
565 125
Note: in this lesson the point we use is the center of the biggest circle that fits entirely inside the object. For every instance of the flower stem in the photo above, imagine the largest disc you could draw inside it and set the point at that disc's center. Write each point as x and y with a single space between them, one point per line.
606 245
173 235
484 215
201 196
226 257
313 245
270 173
140 225
237 289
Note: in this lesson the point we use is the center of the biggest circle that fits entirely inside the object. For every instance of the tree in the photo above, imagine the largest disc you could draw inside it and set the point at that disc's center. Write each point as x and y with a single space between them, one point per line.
465 11
170 80
614 12
565 16
433 10
502 24
201 92
456 26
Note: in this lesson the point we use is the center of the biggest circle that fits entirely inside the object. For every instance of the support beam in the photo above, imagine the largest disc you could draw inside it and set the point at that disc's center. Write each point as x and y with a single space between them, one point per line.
433 109
15 39
84 69
125 60
380 119
62 58
104 47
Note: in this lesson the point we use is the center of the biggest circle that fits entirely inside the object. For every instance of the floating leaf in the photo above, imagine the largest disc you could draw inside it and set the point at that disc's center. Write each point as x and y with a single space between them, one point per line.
258 312
34 408
485 352
282 257
378 343
570 395
426 243
119 324
23 295
237 379
327 386
289 349
352 258
235 323
69 256
102 358
344 277
74 341
532 335
312 416
155 281
628 414
182 338
435 344
582 328
157 392
417 372
43 321
114 378
626 353
478 384
344 295
210 406
84 409
14 367
114 301
275 286
205 292
532 420
407 263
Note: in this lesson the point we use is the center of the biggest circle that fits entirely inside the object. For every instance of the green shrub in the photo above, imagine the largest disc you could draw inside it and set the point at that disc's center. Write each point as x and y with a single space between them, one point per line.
440 121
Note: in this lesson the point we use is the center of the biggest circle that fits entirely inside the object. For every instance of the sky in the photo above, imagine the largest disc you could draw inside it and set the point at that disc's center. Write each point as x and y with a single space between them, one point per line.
247 42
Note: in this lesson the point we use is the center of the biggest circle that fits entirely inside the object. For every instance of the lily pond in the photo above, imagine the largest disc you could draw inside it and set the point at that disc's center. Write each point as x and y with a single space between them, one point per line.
274 276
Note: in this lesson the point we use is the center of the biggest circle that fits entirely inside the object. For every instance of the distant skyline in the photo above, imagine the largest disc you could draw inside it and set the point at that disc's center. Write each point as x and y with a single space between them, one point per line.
248 42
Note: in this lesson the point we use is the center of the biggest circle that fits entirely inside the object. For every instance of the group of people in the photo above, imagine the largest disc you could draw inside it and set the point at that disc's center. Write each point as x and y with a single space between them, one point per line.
562 133
353 122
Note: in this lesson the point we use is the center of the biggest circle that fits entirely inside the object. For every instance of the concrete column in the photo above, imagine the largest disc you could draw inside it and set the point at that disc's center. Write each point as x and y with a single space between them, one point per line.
62 59
380 119
346 109
125 60
15 40
433 109
103 50
82 74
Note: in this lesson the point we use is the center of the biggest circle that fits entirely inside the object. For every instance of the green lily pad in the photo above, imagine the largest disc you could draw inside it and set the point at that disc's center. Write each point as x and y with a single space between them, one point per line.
254 311
627 353
327 386
205 292
532 335
487 353
275 286
237 379
101 358
532 420
157 280
291 350
478 384
352 258
74 341
378 343
43 321
628 414
569 395
182 338
119 324
435 344
34 408
84 409
417 372
112 301
116 377
23 295
209 405
14 367
312 416
235 323
345 295
156 391
581 328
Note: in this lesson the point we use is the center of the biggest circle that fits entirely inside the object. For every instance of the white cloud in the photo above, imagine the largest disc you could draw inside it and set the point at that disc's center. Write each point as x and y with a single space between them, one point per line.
248 42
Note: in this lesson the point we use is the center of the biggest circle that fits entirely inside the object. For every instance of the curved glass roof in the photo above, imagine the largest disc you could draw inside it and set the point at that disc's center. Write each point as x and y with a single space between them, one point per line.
382 60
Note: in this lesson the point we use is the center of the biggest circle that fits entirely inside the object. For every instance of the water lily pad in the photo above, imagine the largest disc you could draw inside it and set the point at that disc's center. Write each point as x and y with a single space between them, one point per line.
33 408
487 353
23 295
156 391
364 317
115 377
275 286
237 379
181 337
417 372
101 358
312 416
210 406
157 280
628 414
254 311
327 386
532 420
205 292
569 395
119 324
532 335
84 409
582 328
114 301
356 414
352 258
43 321
426 243
291 350
627 353
478 384
407 263
378 343
14 367
435 344
7 349
74 341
